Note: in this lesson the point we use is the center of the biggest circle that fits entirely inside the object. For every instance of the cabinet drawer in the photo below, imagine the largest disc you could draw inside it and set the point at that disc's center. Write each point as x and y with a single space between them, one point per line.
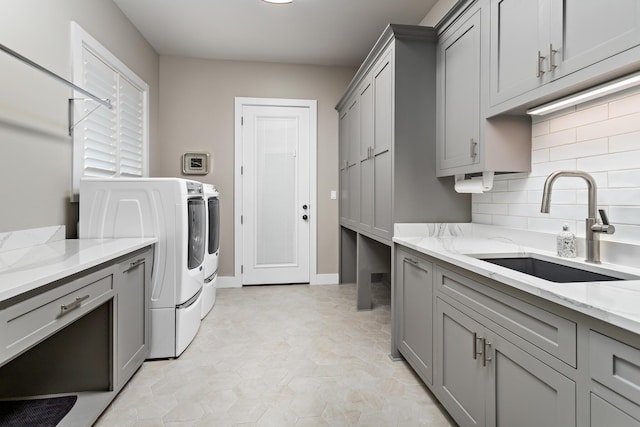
28 322
551 333
615 365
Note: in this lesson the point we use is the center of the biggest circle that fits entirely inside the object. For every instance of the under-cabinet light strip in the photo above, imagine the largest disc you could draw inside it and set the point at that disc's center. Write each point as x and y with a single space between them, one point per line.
597 92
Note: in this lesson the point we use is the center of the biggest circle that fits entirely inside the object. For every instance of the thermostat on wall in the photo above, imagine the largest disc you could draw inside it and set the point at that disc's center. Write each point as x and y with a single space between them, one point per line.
195 163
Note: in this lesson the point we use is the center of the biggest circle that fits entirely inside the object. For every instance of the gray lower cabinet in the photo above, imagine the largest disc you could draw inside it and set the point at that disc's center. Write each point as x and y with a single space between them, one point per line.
484 379
132 302
414 290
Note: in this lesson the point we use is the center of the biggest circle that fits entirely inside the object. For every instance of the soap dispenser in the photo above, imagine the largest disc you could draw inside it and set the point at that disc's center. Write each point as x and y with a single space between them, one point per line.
566 243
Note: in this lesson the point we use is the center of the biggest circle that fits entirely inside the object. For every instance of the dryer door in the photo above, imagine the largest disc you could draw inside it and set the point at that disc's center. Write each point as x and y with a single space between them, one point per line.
197 238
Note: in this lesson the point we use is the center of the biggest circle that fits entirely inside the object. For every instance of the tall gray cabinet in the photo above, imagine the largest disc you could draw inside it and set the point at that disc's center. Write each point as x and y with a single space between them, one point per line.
387 153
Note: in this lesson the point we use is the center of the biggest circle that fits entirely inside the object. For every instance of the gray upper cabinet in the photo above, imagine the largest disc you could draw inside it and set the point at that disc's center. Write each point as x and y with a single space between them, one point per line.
538 42
459 115
520 34
468 142
588 31
383 104
366 159
394 93
349 163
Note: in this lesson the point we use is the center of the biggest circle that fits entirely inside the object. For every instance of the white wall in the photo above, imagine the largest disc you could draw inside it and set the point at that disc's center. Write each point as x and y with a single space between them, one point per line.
196 114
600 137
35 148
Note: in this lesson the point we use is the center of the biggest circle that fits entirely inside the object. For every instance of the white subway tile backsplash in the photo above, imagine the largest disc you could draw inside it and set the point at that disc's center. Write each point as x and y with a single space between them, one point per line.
481 218
540 156
563 197
580 149
624 106
539 129
615 126
544 169
624 142
601 137
628 178
609 162
624 215
510 197
619 196
555 139
491 208
510 221
580 118
524 209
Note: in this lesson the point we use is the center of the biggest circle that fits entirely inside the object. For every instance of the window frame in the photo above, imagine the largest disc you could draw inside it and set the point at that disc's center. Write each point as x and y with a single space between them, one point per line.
81 40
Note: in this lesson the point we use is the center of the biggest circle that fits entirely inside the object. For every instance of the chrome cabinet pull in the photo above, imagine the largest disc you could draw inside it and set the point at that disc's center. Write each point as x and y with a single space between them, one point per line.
552 52
473 151
134 264
411 261
539 59
65 308
476 353
487 352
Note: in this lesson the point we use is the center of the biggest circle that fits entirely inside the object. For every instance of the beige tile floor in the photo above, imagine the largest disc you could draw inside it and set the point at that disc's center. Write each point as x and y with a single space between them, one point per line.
291 355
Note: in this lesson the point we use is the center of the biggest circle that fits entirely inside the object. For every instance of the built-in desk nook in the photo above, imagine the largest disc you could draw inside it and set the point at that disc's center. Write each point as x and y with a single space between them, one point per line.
74 324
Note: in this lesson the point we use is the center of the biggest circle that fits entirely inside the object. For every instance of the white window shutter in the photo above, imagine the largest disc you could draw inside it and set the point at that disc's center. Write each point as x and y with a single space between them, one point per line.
130 129
99 129
108 142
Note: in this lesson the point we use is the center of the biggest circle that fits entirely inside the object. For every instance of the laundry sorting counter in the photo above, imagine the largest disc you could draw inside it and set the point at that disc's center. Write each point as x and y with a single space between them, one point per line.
74 324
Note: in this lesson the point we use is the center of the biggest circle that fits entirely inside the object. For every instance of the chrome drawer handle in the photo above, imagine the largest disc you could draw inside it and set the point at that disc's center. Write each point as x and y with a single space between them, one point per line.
65 308
486 345
476 353
134 264
411 261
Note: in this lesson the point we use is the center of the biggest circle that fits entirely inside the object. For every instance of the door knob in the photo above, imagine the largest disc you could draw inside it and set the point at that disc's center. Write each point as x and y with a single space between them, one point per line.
305 217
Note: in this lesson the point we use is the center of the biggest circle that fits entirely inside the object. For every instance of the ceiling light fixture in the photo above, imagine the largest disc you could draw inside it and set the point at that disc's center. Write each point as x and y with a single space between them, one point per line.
587 95
278 1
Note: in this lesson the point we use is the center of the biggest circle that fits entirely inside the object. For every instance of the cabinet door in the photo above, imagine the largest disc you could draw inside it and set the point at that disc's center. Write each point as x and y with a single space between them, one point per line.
460 381
604 414
344 169
459 91
366 155
588 31
132 314
519 31
353 119
525 392
383 140
416 327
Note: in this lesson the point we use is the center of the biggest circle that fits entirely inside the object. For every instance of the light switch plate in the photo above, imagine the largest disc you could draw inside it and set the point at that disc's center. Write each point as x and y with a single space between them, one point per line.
334 195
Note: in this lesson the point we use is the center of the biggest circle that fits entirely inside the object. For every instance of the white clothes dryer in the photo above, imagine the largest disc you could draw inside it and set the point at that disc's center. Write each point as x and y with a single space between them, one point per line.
212 200
173 210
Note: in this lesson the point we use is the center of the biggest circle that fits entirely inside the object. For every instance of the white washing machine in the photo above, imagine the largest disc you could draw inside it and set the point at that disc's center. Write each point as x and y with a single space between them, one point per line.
173 210
212 200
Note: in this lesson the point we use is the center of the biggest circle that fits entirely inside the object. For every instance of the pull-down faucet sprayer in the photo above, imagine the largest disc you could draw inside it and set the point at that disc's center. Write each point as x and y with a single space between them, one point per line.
593 228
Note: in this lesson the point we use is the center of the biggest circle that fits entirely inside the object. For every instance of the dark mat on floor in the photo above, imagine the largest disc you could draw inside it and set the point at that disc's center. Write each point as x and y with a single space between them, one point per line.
35 412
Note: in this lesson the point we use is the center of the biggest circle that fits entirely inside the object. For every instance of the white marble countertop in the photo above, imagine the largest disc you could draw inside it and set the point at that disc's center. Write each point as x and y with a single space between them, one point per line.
615 302
27 268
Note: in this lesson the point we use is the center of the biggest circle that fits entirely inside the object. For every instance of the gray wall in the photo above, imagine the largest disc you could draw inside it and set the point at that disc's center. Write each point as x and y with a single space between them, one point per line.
35 149
196 113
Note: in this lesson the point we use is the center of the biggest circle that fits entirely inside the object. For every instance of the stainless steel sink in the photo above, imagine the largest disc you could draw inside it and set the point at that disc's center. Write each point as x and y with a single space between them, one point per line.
549 269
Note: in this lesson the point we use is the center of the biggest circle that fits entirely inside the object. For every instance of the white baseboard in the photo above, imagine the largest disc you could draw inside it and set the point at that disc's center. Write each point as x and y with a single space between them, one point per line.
317 279
325 279
228 282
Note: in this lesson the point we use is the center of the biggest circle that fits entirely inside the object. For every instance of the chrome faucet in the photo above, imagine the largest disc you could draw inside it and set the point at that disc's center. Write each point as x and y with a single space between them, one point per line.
593 228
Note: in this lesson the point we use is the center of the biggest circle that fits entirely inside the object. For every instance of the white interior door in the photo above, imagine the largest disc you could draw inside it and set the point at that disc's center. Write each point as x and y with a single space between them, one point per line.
276 206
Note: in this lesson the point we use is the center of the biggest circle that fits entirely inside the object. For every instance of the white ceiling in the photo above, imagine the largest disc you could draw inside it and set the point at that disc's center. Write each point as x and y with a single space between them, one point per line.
322 32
